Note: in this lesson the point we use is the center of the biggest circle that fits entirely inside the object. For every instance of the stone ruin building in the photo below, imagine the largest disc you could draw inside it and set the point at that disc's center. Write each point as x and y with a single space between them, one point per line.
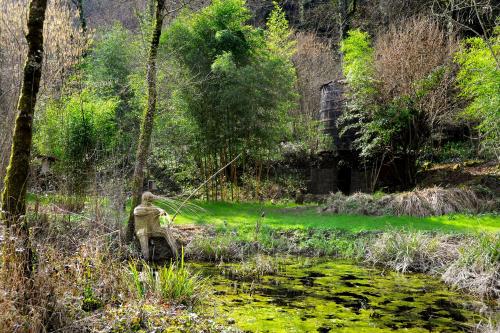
336 169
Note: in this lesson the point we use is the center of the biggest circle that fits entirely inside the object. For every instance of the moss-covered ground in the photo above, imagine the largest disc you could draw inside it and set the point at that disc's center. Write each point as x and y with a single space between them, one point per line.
310 295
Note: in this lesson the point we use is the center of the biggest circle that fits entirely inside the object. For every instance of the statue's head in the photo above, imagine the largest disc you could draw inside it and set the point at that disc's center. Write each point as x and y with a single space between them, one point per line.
148 198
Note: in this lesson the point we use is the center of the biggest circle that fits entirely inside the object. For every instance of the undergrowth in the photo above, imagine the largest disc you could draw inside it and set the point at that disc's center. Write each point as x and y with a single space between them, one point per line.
469 262
81 281
86 279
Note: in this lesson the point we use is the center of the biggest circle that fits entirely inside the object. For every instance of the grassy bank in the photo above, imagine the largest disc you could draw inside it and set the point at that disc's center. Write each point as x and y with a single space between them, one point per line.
462 250
88 279
245 216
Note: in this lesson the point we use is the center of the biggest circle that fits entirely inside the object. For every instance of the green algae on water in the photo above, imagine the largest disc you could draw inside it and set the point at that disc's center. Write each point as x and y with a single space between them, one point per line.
337 296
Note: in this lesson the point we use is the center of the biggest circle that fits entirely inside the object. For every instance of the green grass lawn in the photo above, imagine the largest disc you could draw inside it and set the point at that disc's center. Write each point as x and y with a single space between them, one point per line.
245 215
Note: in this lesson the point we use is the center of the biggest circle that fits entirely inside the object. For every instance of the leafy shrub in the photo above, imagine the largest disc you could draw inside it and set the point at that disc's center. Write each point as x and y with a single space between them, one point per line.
478 79
77 130
399 91
456 152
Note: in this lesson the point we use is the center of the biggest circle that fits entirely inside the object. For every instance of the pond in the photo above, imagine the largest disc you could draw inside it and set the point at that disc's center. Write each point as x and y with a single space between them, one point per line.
308 295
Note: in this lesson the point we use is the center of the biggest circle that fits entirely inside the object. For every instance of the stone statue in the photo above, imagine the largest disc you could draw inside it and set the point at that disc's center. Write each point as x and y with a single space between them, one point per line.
147 225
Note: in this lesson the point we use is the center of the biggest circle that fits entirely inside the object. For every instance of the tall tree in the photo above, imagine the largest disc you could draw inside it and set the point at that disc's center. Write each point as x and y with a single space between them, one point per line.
148 118
16 179
241 105
13 197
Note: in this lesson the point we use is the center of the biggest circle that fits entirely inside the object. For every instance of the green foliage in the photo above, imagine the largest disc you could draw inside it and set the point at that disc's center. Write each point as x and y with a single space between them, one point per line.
242 80
173 283
74 129
279 35
373 127
90 302
358 67
114 68
455 152
111 60
390 127
479 81
96 117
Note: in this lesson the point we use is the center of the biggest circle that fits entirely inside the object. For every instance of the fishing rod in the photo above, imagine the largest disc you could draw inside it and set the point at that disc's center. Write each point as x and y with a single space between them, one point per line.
203 184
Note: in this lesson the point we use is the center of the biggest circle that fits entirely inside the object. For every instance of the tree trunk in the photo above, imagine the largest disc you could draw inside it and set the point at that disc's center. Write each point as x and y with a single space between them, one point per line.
347 8
16 179
14 194
148 119
81 14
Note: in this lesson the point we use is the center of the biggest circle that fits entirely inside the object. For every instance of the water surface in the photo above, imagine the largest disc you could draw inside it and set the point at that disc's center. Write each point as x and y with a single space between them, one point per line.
337 296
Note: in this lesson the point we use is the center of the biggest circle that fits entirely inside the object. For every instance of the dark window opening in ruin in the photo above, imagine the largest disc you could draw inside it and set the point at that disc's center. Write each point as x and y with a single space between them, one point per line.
344 179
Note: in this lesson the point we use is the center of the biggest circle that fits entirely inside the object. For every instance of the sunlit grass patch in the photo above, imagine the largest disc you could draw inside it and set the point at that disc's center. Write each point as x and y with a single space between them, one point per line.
244 216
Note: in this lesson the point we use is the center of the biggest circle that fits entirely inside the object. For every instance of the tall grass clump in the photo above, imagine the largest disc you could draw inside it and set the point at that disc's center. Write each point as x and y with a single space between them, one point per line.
411 251
437 201
466 262
489 326
358 204
477 268
434 201
256 267
172 284
221 247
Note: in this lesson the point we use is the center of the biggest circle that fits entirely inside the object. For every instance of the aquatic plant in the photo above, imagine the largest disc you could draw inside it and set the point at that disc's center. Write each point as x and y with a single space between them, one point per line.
256 267
322 295
224 246
171 283
469 262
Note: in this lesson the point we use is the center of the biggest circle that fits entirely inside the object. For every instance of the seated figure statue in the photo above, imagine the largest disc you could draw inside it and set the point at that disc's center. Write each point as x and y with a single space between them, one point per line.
147 225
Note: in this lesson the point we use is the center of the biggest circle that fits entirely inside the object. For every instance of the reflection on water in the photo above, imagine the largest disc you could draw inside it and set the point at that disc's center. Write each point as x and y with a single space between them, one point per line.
337 296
